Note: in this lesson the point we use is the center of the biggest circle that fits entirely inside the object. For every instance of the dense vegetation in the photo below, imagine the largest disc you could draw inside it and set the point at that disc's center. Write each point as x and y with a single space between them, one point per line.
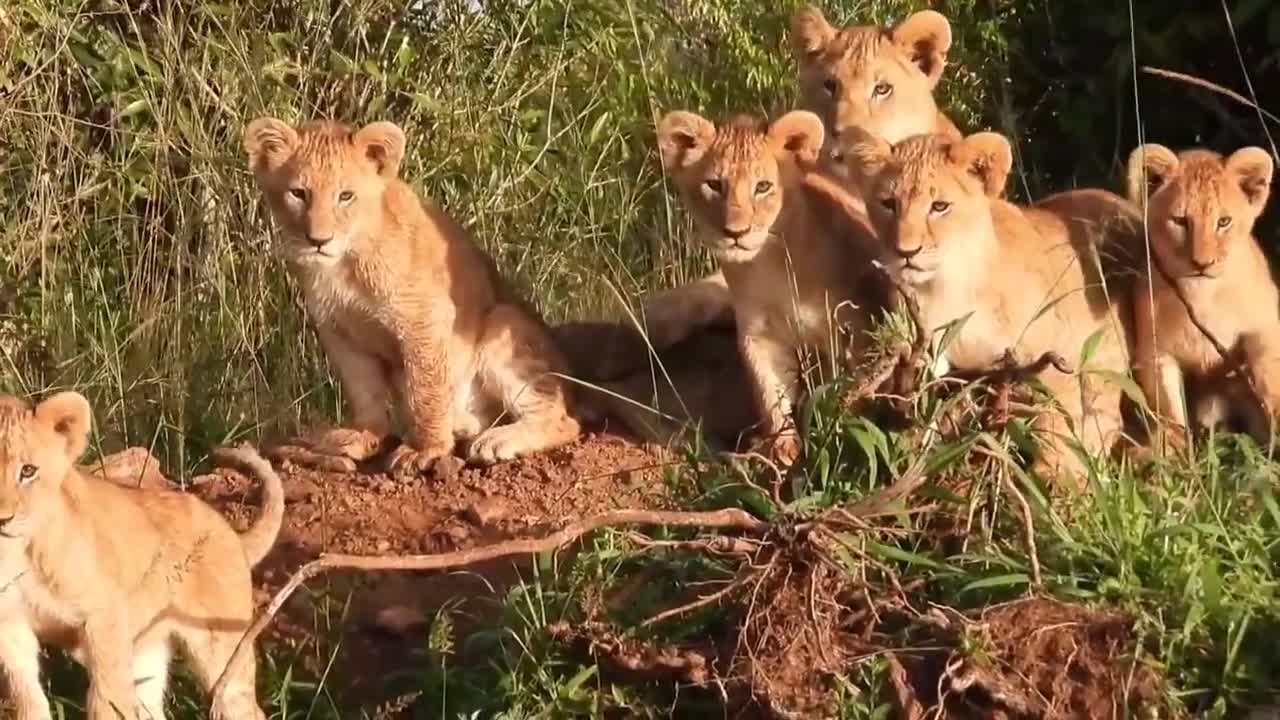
135 259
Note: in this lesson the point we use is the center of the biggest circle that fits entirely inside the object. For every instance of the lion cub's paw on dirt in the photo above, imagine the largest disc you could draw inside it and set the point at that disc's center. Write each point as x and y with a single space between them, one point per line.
506 442
406 463
784 448
116 575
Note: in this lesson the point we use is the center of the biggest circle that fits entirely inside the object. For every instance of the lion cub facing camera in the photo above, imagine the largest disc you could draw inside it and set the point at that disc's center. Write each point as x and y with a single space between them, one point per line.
115 574
405 303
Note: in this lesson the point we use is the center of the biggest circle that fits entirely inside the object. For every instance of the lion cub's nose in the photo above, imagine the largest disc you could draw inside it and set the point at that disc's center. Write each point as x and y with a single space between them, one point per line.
734 233
908 253
319 241
5 520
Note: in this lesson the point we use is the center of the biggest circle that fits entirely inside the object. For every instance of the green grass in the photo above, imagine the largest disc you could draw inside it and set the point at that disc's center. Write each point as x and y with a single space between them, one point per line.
136 266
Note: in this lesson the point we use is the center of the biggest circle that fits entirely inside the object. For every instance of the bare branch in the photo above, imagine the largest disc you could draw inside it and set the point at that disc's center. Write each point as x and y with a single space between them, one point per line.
724 519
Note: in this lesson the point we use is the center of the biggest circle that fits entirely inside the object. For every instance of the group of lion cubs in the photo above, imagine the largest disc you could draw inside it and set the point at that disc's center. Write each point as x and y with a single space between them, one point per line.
803 214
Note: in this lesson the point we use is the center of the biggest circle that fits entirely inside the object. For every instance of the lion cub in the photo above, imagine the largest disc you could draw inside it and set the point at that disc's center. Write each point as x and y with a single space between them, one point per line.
114 574
405 303
1027 278
872 80
1201 208
791 252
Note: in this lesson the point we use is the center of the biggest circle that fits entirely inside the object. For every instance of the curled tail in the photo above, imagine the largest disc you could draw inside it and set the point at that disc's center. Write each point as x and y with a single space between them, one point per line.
261 536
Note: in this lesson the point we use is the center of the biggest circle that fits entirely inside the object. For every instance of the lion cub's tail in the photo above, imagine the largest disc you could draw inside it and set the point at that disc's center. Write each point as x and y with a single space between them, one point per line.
260 536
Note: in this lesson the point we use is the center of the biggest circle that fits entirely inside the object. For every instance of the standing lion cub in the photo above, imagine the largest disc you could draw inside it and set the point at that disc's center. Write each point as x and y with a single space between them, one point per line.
1201 208
405 303
115 574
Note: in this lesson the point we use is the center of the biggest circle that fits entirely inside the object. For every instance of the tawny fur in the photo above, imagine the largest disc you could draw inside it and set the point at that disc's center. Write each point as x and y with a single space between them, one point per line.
116 574
793 252
1201 208
947 234
872 80
405 303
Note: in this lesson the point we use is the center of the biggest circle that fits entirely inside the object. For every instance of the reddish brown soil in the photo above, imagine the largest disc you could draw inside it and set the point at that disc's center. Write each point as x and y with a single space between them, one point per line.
372 514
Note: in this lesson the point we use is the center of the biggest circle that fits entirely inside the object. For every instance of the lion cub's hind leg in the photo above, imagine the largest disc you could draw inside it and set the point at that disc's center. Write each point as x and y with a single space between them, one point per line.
151 676
209 648
516 362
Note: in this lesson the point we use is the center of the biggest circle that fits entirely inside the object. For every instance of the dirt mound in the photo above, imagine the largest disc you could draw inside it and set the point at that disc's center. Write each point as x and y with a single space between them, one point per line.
1034 658
380 619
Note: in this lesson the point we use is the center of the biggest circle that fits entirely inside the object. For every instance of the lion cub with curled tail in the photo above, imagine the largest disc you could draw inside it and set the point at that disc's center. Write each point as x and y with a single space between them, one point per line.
116 574
405 303
1201 208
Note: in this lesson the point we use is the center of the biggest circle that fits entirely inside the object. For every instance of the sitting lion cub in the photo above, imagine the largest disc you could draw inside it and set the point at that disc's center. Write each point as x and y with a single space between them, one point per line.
1028 278
115 574
405 302
791 251
1201 208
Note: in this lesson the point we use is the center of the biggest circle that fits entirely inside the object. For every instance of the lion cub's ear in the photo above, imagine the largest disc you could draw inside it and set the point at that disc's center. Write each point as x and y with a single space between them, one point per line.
810 33
799 133
69 415
1150 167
1252 167
268 142
925 37
988 157
383 144
683 138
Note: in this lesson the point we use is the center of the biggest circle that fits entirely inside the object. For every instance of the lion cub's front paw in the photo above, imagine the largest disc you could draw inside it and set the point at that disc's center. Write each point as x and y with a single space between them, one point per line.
405 463
359 445
498 444
783 448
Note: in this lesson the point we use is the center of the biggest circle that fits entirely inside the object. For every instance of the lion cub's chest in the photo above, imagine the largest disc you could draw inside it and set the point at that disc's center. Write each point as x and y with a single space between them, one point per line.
797 308
336 299
1175 335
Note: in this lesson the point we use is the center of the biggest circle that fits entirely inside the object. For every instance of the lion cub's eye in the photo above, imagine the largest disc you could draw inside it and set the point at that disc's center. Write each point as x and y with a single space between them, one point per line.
27 473
346 196
1179 220
882 89
1224 223
889 203
298 193
939 207
830 85
763 187
714 185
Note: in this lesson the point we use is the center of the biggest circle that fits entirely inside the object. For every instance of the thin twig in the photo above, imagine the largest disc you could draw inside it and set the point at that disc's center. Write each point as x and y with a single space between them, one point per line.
725 519
701 602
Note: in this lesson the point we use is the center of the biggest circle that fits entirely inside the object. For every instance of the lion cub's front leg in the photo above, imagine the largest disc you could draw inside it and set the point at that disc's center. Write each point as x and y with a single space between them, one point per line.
366 385
109 660
1160 378
517 364
20 666
775 378
424 385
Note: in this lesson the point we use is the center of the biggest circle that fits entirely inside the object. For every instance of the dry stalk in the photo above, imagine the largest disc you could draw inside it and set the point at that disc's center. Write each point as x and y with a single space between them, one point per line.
723 519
